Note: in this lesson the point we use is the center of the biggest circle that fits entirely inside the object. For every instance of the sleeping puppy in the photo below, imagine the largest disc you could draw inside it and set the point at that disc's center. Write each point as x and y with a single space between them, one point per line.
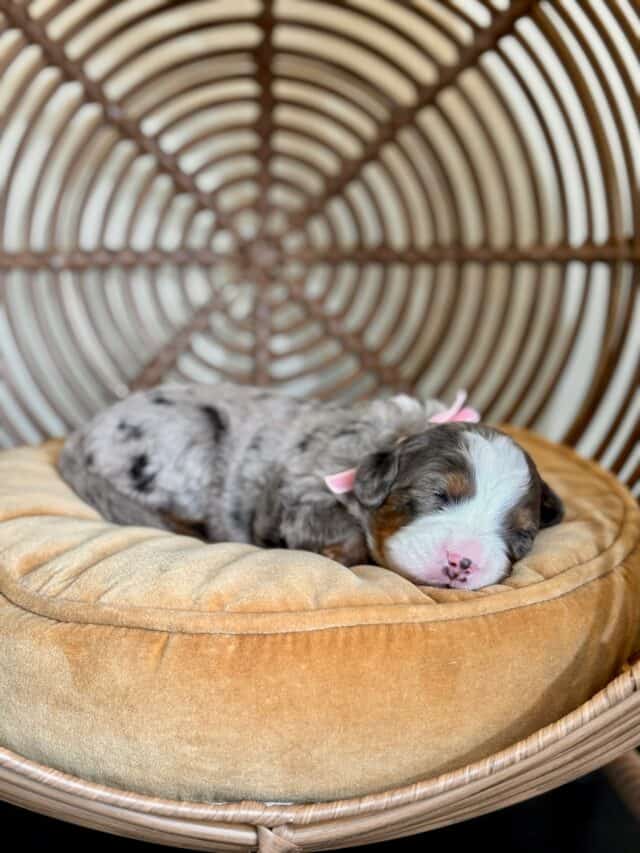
415 487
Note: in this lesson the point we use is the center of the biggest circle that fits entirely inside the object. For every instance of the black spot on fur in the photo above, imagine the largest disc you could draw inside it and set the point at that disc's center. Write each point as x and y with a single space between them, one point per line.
256 443
200 530
141 477
130 432
145 484
160 400
88 459
218 423
304 443
273 540
138 465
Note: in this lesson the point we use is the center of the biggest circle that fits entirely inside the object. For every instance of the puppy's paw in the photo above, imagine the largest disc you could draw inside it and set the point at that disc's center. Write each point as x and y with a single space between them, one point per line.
197 528
351 552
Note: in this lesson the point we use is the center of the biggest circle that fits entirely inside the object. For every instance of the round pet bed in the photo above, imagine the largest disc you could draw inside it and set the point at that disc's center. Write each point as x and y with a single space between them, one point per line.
340 199
148 662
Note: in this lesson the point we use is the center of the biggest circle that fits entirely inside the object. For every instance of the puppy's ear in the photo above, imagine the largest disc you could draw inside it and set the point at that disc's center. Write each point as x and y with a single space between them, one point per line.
551 507
374 477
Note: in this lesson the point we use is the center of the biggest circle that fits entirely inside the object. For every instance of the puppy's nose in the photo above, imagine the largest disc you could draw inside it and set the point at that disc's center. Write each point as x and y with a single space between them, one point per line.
457 560
458 567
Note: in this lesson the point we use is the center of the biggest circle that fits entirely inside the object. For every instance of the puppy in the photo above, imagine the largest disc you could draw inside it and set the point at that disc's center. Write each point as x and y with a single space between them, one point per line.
410 485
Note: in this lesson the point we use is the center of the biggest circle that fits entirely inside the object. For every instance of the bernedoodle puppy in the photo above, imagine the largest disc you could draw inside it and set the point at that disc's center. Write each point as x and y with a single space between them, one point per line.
415 487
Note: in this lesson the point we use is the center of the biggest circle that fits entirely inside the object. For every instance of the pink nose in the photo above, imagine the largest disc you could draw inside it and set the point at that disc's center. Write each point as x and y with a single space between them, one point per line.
459 566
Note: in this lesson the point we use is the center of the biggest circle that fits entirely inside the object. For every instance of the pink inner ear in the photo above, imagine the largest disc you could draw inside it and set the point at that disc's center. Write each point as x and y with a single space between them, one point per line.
341 482
457 412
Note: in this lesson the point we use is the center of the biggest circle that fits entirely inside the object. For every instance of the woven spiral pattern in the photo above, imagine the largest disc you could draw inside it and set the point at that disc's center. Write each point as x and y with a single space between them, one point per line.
337 198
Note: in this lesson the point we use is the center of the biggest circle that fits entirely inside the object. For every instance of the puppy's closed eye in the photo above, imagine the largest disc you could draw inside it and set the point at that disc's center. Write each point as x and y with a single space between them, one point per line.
446 499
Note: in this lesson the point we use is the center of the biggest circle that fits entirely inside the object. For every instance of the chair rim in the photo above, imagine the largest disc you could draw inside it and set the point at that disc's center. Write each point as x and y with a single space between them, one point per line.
597 732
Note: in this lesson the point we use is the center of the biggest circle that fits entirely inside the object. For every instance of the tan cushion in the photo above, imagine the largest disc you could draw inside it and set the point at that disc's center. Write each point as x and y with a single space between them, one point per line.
152 662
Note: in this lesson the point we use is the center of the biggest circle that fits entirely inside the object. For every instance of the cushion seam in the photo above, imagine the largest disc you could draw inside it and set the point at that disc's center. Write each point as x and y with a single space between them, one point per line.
621 526
634 548
590 465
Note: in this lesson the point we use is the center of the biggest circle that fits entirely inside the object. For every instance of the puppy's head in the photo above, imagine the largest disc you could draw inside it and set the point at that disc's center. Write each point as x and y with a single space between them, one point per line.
454 506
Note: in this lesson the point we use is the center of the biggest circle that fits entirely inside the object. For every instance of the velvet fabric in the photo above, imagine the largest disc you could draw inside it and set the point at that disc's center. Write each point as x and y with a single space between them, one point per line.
152 662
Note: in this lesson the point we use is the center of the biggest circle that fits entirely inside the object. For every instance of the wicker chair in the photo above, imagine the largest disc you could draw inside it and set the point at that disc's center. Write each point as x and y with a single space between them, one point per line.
340 199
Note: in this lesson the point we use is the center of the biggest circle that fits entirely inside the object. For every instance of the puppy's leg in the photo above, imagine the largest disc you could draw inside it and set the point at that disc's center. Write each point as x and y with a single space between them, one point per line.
325 527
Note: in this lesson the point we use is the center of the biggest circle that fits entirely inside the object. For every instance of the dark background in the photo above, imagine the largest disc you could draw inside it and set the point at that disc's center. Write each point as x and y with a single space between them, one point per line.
583 817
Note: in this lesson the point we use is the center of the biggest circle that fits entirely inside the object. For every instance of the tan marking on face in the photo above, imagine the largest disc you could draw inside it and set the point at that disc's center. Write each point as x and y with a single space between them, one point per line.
387 520
459 484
